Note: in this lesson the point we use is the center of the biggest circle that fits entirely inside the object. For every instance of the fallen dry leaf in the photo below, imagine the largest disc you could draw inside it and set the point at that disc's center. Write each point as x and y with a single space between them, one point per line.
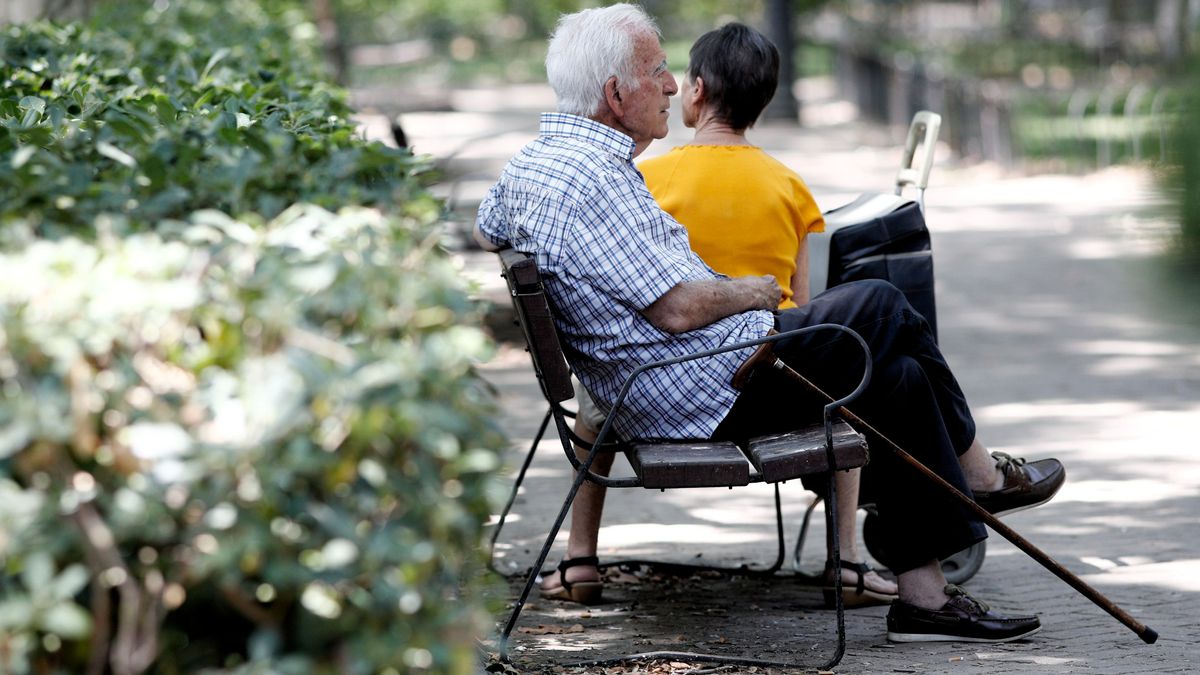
501 668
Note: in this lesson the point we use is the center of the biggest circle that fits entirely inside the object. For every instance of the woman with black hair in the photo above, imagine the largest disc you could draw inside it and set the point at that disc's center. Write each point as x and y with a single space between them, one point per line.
748 214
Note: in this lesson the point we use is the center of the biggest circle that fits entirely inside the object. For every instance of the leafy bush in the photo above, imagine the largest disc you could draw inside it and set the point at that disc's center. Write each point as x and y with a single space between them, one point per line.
256 445
170 116
237 434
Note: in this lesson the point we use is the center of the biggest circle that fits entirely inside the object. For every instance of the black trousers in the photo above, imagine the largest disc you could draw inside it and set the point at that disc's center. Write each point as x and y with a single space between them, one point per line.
912 398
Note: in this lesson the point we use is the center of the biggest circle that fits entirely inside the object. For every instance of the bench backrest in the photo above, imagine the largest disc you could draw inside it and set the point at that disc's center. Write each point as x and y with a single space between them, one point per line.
533 314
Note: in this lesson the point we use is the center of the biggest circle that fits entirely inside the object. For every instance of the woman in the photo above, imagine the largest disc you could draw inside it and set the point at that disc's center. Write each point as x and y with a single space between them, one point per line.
748 214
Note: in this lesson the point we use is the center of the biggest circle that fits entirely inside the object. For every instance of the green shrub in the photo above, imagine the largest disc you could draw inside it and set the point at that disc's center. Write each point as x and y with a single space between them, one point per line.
251 440
238 434
198 106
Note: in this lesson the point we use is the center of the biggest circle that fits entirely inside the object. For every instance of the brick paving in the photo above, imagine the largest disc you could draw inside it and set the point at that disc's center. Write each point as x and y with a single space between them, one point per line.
1069 340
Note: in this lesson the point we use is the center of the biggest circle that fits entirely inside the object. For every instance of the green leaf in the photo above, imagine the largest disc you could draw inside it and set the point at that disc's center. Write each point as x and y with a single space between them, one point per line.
253 138
213 60
202 100
69 582
16 611
56 114
67 620
19 158
32 104
156 170
165 109
38 571
32 115
116 154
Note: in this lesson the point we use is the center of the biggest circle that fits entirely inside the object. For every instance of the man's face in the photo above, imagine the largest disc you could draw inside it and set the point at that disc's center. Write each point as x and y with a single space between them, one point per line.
647 108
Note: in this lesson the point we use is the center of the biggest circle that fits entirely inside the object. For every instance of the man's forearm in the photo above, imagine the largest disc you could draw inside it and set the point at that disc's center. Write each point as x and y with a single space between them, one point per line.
484 243
694 304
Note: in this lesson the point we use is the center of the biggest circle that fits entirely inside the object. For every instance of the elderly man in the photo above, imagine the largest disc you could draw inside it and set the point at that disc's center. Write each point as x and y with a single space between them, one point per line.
627 289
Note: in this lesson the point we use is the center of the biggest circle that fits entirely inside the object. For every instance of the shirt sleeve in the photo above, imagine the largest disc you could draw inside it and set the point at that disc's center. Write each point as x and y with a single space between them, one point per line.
811 219
490 220
630 249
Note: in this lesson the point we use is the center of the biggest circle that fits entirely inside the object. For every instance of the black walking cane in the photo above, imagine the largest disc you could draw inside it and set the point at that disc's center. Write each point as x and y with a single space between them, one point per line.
1147 634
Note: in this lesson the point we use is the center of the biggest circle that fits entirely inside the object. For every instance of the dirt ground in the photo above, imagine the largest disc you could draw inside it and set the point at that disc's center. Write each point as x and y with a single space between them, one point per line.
780 618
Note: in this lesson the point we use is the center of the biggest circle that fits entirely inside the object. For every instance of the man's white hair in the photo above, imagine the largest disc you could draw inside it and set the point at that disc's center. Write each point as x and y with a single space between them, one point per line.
590 46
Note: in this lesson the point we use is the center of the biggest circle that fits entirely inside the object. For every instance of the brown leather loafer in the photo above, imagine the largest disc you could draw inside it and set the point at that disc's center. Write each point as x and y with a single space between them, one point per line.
1026 484
961 619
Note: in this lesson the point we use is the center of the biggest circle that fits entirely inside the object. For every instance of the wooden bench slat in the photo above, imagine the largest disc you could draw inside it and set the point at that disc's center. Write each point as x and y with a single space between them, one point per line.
780 457
533 313
689 464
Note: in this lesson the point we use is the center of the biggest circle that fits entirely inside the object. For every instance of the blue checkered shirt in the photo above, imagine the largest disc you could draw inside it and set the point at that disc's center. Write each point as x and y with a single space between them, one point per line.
574 200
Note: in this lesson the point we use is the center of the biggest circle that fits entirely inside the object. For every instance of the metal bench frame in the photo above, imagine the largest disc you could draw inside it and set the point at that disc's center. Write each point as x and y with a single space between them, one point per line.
837 447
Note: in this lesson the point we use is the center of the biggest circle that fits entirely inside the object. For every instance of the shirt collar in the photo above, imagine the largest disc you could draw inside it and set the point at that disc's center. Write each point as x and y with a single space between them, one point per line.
574 126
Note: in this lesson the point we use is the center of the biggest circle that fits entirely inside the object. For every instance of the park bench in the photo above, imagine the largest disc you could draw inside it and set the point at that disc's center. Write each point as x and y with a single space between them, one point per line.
687 463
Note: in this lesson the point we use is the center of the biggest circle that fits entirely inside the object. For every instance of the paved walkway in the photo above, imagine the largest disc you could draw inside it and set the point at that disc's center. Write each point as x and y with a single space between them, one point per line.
1068 338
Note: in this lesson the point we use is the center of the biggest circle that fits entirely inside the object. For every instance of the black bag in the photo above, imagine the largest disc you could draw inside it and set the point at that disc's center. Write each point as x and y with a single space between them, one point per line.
893 246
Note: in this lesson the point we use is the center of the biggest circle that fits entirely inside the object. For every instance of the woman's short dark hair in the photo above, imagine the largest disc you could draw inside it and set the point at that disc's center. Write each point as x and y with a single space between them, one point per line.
740 69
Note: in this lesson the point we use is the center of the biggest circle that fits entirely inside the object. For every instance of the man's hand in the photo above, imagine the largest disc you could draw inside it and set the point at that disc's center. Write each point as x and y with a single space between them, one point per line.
764 291
693 304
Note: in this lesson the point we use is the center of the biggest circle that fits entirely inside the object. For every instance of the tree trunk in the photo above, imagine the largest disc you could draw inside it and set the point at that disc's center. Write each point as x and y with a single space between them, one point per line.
325 14
1016 18
779 28
1171 27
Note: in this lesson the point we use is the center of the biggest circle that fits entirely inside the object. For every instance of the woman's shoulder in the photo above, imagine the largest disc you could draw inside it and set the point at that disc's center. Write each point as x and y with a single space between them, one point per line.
659 171
697 154
766 159
786 174
668 158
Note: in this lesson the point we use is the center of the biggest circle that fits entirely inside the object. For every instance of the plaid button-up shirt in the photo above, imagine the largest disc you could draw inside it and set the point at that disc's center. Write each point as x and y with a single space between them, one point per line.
574 200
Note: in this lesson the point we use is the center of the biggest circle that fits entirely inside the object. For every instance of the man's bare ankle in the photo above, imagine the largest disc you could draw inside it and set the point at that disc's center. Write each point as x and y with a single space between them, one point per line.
925 600
988 481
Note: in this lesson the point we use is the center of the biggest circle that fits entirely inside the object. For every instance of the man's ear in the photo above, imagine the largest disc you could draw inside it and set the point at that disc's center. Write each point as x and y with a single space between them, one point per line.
612 96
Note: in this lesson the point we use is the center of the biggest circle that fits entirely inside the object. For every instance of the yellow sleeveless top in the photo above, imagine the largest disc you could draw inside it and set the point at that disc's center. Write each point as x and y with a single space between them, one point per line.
745 212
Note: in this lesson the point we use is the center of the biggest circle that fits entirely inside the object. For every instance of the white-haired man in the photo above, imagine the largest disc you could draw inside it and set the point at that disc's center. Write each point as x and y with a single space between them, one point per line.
627 289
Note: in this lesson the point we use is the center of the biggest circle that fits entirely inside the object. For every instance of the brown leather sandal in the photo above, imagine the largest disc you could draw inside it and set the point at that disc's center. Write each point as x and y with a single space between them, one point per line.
857 595
582 592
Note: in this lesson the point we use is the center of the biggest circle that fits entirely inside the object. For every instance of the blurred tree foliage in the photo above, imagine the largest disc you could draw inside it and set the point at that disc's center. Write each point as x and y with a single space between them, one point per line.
465 41
1181 175
442 20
